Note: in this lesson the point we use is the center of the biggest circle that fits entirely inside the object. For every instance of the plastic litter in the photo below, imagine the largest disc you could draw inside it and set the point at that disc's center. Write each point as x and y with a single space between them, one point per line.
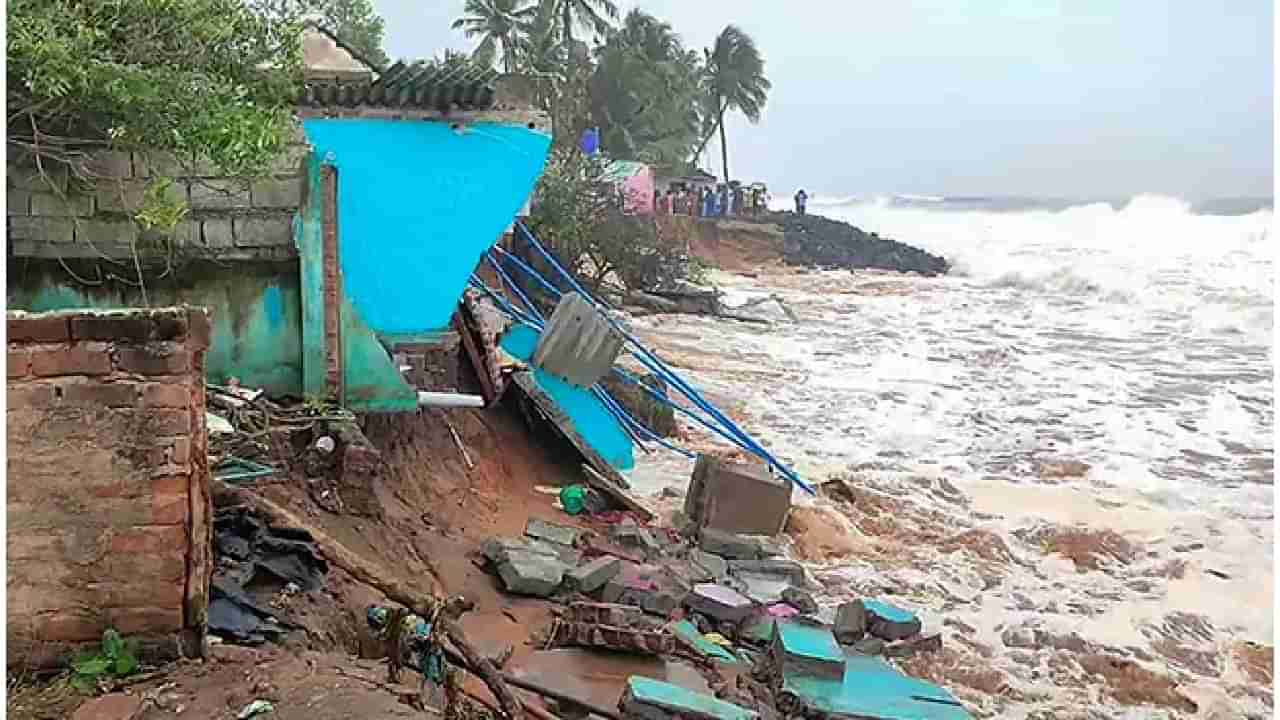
255 708
574 499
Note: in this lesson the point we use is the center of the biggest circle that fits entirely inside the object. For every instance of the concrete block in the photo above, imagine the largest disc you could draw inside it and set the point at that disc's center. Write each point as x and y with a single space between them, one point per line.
111 164
718 602
290 161
276 193
551 532
593 575
851 622
737 497
788 570
728 545
807 649
629 534
159 164
800 600
219 194
263 231
525 572
28 177
216 233
59 231
890 622
578 344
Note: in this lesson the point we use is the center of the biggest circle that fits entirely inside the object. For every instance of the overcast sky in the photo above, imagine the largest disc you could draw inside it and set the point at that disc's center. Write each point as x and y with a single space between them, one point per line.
1076 98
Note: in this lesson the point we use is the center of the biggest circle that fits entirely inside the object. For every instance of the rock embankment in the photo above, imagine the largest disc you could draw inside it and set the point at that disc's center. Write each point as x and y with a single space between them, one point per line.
814 240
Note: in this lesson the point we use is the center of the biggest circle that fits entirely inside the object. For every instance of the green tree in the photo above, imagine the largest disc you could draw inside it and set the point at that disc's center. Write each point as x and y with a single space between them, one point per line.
592 15
645 91
357 23
210 78
734 81
501 25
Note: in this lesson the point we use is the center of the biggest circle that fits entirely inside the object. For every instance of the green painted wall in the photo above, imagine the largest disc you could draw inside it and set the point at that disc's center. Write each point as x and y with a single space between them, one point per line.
255 307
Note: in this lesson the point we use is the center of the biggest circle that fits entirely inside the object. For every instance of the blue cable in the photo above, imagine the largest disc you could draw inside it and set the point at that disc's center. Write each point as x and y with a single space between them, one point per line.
531 272
502 274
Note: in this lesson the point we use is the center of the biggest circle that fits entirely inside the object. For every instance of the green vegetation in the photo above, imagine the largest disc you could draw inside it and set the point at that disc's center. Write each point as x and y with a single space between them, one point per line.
115 659
357 23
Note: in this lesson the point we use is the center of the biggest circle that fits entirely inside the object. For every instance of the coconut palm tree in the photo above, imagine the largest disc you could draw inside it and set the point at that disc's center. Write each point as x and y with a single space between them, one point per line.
593 15
500 24
734 81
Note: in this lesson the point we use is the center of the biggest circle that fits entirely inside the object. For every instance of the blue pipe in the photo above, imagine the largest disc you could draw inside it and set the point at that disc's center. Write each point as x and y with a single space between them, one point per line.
531 272
502 274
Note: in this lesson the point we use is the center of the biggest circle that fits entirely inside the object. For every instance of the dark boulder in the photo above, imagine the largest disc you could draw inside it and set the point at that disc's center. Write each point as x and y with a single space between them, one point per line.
816 241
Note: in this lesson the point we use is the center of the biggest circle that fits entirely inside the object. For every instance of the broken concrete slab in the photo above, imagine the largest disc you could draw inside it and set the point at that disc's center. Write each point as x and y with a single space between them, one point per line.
808 649
763 589
646 699
870 688
593 575
551 532
525 572
737 497
851 622
647 586
629 534
890 622
687 634
578 344
716 566
730 545
789 570
718 602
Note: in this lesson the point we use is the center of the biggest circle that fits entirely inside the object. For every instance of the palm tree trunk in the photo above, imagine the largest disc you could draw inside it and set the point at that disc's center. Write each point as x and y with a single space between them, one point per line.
566 16
724 149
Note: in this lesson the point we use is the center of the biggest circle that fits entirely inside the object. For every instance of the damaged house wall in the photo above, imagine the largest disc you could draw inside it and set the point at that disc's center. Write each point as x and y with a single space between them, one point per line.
108 481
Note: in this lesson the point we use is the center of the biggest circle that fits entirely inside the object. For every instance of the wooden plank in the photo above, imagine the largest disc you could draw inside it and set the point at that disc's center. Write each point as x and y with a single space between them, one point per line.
478 363
598 473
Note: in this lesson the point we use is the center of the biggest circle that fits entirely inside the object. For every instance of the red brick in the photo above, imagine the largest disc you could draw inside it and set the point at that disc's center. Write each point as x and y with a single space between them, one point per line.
131 327
113 394
181 453
169 422
39 328
170 503
34 395
69 627
145 621
149 539
154 359
19 362
169 324
166 395
199 328
138 592
78 359
170 566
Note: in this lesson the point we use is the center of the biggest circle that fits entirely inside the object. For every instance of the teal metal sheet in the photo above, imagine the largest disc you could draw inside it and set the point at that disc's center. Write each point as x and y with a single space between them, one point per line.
872 688
892 613
811 642
588 415
676 699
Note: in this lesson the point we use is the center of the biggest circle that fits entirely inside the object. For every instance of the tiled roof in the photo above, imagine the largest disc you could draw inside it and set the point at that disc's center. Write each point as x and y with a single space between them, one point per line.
418 85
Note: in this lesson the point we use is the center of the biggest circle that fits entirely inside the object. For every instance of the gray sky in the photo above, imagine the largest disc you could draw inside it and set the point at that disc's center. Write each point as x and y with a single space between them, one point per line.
1079 98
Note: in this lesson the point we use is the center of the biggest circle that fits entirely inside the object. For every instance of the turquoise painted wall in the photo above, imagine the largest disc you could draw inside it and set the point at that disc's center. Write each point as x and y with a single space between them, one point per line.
256 313
418 203
589 416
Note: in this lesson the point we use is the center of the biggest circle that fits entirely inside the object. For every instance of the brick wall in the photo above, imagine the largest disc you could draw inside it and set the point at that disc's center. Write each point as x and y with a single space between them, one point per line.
51 214
108 481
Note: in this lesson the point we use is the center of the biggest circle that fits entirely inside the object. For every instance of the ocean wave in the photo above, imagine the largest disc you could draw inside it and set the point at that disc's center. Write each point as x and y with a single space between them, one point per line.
1063 281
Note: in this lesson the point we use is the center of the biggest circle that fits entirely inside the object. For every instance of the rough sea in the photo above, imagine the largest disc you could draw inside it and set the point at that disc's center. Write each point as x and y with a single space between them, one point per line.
1062 452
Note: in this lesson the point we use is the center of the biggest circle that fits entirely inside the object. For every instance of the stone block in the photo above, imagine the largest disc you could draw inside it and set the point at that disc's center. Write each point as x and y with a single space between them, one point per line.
525 572
159 164
851 622
800 600
786 570
593 575
18 202
69 205
737 497
807 649
94 393
276 193
290 160
729 545
628 534
551 532
19 363
154 359
78 359
219 194
28 177
39 328
265 231
166 395
216 233
111 164
718 602
106 232
60 231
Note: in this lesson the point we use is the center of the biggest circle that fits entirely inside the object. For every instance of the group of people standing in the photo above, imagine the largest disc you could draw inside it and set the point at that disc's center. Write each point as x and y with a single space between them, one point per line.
723 201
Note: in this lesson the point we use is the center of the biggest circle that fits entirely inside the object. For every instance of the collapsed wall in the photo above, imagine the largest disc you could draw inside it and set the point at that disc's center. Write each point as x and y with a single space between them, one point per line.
108 482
